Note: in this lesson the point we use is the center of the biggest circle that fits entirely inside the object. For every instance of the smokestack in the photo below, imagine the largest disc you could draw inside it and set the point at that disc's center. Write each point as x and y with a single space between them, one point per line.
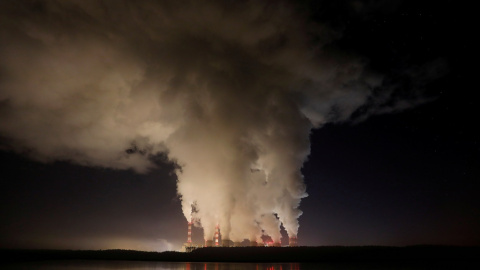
189 239
217 232
292 241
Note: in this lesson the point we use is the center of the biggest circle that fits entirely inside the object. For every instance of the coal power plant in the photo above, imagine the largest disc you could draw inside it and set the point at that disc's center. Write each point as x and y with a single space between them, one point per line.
218 241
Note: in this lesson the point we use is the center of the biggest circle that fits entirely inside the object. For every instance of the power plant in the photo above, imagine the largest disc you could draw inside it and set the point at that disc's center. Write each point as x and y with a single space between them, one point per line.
216 241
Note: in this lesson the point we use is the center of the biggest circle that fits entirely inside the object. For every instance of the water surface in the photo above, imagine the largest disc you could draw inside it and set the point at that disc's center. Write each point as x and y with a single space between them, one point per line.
132 265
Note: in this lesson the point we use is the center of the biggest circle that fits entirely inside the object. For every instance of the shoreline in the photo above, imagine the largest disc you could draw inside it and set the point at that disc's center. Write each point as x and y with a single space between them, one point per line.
258 254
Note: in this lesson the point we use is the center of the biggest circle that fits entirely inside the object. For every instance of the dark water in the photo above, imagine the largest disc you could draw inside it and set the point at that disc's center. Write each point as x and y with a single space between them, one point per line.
106 265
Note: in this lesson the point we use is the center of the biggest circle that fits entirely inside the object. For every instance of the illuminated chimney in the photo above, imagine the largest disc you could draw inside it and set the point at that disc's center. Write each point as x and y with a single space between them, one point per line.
217 232
189 239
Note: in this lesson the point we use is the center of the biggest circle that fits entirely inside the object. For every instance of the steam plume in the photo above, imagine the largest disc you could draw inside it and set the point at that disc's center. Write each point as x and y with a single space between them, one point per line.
230 91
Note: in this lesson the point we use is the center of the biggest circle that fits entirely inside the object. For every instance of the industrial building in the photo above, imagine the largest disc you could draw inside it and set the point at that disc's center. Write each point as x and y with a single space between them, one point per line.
217 242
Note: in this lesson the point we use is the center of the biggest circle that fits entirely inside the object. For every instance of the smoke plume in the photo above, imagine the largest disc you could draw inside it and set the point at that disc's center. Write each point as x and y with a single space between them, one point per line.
228 90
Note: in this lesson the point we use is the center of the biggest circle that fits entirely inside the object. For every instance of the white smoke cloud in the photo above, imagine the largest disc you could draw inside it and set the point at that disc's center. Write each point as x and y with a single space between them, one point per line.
229 90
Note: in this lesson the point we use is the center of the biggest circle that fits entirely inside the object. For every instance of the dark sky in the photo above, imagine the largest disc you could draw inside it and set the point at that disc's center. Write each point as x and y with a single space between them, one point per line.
398 168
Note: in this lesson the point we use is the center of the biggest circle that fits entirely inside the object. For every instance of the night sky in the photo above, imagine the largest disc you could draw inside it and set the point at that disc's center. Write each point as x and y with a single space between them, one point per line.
398 168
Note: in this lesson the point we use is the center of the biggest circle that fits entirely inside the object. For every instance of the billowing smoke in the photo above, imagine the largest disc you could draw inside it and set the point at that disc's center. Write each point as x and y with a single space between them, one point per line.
228 90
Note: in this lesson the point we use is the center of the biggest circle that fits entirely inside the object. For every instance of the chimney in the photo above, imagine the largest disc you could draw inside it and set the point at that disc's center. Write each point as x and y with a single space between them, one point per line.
189 239
217 232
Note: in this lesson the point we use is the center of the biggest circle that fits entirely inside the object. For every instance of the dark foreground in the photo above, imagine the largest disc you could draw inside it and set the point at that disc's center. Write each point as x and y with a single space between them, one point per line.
260 254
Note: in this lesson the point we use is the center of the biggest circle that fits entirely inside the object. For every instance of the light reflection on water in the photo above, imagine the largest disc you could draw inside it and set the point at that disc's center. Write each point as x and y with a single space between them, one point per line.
131 265
108 265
